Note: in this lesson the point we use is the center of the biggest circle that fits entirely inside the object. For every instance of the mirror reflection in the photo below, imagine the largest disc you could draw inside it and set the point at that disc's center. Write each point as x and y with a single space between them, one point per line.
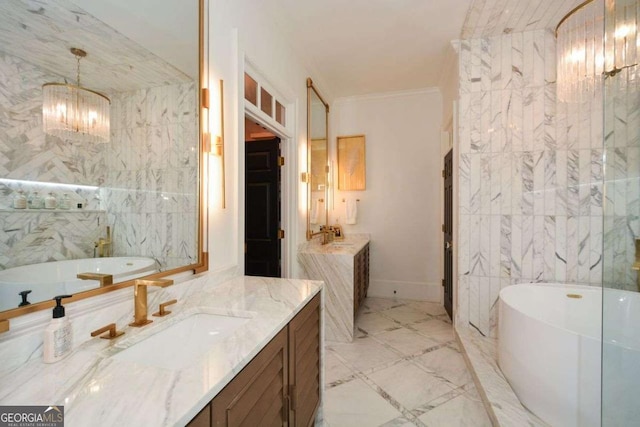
318 161
77 211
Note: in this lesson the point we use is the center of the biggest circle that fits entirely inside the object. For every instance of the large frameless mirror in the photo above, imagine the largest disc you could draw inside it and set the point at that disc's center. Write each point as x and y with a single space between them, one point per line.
99 146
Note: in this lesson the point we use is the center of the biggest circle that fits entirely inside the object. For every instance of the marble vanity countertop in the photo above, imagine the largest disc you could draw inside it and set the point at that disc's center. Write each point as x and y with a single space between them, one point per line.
97 389
350 245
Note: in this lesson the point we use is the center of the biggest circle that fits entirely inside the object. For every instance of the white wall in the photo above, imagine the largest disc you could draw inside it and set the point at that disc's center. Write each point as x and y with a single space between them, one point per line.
402 203
239 30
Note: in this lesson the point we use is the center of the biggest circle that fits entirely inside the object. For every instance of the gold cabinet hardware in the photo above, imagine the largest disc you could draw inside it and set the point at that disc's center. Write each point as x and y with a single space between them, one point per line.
280 234
304 177
280 161
4 326
140 299
104 279
111 330
162 308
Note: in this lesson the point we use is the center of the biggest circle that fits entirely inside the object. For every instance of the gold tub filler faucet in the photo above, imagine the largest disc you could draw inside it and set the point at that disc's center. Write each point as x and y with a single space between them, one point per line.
104 245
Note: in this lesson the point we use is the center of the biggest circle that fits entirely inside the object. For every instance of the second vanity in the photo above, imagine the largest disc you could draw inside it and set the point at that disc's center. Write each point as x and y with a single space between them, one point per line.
343 265
276 336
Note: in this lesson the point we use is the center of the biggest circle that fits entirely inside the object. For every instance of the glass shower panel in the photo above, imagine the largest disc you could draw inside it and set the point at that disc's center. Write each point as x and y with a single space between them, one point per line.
620 297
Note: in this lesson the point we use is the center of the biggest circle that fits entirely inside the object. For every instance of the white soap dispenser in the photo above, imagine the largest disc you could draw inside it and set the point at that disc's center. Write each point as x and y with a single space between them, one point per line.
58 338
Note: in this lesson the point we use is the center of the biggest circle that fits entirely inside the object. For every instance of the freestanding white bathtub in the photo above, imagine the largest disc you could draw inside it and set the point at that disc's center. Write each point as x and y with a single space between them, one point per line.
49 279
549 349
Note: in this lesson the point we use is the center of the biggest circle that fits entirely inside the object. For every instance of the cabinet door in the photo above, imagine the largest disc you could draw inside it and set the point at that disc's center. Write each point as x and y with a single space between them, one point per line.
257 396
203 419
304 364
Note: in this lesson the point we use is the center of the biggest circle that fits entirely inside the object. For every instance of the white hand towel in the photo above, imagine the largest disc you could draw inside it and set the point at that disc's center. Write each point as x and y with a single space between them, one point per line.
316 208
351 211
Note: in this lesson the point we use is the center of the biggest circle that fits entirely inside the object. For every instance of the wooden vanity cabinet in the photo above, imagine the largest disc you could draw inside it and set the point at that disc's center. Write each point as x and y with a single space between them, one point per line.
360 277
280 386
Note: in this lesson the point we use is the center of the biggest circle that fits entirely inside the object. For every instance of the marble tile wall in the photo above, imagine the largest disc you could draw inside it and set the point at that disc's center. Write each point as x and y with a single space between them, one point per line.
622 180
152 174
26 153
530 175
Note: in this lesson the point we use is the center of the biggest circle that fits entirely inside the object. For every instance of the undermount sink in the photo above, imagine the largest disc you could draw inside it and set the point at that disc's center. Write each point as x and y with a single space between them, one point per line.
340 244
180 344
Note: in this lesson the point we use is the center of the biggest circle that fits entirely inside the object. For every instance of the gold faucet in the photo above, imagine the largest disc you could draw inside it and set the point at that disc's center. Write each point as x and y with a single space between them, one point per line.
328 234
140 299
104 279
104 244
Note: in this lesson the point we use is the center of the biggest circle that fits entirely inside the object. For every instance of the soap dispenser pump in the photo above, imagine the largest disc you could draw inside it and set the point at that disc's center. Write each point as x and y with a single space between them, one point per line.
58 335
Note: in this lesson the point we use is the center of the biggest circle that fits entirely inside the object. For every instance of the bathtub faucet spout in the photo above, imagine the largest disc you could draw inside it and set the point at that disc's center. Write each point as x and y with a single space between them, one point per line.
104 279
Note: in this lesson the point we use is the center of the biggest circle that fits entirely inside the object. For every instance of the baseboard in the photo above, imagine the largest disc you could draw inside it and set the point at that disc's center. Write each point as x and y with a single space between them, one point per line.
420 291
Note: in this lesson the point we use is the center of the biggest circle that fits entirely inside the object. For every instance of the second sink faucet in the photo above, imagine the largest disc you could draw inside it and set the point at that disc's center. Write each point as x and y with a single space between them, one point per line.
140 299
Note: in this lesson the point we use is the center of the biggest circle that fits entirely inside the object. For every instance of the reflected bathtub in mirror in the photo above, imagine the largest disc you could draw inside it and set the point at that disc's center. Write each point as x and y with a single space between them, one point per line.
57 278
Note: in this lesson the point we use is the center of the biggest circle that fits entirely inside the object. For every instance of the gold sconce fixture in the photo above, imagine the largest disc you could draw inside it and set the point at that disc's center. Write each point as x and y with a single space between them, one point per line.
74 112
592 45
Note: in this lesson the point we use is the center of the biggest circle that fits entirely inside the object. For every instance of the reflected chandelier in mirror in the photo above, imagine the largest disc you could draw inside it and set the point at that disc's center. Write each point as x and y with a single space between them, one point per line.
136 197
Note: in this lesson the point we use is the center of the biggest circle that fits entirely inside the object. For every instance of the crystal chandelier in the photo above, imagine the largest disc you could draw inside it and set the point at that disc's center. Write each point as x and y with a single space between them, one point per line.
74 112
595 41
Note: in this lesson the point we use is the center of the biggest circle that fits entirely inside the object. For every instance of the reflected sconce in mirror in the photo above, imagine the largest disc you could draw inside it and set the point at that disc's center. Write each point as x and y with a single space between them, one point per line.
74 112
351 163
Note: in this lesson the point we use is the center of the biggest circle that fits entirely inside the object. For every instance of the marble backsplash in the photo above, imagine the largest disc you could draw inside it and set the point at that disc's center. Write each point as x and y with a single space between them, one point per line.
530 175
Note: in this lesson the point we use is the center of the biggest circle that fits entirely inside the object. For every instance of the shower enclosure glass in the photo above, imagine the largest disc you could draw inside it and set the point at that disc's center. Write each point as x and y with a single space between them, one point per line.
621 212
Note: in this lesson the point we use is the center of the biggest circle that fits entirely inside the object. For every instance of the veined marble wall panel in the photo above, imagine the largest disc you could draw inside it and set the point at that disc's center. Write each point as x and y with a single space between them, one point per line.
35 237
150 187
530 187
26 153
622 179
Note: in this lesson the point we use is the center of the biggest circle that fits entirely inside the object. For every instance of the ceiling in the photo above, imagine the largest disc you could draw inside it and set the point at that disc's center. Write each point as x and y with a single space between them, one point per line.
373 46
42 31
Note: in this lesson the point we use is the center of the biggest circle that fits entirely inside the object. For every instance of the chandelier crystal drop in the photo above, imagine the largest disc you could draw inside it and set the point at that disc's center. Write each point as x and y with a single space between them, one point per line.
73 112
595 41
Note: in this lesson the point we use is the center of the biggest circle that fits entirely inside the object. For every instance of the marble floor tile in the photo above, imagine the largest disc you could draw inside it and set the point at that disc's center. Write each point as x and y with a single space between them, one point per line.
405 341
409 385
428 307
364 354
356 404
406 314
400 372
435 329
457 412
372 304
334 369
374 323
447 364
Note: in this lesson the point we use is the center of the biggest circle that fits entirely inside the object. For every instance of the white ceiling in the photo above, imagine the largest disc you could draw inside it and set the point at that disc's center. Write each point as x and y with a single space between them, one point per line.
373 46
42 31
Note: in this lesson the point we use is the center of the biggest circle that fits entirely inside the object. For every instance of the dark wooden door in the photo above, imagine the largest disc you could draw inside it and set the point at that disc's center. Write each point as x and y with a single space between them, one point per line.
448 233
262 208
